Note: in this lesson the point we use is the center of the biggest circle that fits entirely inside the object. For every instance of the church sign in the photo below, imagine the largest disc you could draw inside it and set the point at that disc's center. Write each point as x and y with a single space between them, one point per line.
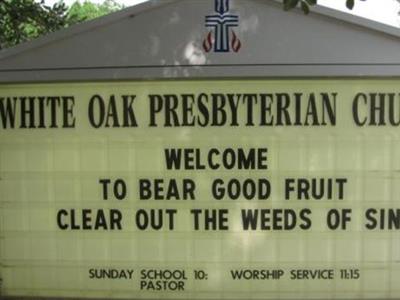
200 189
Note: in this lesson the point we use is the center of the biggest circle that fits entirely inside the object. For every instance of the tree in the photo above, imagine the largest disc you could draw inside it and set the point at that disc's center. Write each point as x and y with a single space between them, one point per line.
88 10
22 20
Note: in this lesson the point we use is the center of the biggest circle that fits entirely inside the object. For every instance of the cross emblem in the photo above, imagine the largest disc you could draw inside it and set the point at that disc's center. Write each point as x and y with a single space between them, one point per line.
222 24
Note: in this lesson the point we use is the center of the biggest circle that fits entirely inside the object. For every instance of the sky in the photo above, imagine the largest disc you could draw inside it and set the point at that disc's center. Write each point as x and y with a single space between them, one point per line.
384 11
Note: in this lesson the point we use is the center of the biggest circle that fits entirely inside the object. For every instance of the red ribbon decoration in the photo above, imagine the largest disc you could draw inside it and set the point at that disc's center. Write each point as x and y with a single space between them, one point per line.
208 42
236 43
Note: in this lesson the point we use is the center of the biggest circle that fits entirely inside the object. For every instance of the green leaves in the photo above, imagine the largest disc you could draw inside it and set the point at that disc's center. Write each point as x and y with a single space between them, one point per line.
304 4
289 4
80 12
23 20
305 7
350 4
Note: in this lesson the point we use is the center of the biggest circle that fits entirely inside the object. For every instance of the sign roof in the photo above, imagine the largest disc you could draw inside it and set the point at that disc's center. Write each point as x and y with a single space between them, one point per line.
174 39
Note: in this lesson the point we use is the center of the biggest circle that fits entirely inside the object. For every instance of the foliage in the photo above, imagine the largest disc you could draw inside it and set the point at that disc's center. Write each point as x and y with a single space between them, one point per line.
305 4
21 20
87 10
